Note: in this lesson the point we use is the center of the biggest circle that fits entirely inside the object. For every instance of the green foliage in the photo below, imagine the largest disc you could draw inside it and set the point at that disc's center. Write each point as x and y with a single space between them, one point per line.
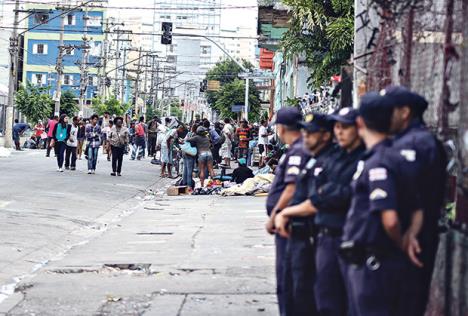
68 103
113 106
324 31
232 89
34 102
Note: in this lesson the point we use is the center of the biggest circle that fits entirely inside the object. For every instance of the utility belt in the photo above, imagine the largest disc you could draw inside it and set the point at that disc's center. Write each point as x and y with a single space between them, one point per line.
358 254
302 229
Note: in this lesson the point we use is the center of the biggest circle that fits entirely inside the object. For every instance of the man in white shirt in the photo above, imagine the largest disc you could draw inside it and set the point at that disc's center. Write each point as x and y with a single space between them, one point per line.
72 143
263 141
226 147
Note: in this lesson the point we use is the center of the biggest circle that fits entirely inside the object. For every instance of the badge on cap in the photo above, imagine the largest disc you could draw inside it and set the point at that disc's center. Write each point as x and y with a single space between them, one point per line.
309 118
378 194
377 174
409 154
383 92
344 111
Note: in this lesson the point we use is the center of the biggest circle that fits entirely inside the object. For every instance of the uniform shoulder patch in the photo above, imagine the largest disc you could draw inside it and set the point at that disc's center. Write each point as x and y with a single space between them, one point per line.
317 171
378 194
293 171
408 154
310 163
377 174
295 160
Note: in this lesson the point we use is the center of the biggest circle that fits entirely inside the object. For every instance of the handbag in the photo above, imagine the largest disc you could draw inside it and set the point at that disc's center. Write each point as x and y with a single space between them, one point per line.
188 149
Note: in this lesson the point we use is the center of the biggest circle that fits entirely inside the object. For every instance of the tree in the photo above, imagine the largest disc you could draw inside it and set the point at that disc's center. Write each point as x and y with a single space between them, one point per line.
68 104
324 32
34 102
113 106
232 90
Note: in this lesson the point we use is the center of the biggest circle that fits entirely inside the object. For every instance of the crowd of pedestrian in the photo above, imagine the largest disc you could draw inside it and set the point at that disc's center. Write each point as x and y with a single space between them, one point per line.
354 208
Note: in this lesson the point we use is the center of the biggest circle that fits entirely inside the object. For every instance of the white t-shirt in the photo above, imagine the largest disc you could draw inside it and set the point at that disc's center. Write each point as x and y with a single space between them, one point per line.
72 139
262 140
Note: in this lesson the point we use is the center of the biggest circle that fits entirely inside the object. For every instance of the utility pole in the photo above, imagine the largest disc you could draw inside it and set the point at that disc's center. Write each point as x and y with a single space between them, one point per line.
124 76
84 64
59 67
137 82
12 78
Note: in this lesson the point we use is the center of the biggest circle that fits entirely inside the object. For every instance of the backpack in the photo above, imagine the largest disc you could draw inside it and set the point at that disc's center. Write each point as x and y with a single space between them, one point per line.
139 130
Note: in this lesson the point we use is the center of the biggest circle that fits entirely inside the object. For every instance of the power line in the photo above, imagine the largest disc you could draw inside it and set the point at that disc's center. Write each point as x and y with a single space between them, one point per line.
149 8
140 33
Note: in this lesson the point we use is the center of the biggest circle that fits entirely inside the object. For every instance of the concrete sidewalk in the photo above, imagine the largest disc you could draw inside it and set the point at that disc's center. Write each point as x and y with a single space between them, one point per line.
192 255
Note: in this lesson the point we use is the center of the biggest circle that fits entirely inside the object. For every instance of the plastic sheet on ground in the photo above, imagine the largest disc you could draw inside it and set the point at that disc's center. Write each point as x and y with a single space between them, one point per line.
260 183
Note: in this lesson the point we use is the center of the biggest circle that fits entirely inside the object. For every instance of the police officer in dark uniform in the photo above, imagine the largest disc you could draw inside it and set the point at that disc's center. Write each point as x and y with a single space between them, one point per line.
284 184
331 198
299 273
383 204
426 157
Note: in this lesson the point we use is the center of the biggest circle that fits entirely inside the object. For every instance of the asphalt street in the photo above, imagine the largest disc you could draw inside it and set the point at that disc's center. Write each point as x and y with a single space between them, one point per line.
79 244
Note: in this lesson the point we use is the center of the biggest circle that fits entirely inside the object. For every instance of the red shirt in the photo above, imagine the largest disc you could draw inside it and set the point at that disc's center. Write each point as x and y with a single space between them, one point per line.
51 125
243 134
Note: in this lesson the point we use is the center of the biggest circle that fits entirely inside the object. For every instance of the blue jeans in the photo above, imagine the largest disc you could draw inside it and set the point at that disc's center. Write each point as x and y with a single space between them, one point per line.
92 157
189 163
60 150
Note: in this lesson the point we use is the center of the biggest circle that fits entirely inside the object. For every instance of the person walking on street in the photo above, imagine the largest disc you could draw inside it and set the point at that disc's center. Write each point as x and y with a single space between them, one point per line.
50 130
107 144
152 136
263 142
93 136
81 136
139 146
118 140
60 138
72 143
18 130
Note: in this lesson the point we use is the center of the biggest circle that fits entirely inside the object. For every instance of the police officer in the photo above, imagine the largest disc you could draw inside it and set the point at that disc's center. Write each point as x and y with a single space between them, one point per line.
299 272
284 184
425 157
331 198
383 203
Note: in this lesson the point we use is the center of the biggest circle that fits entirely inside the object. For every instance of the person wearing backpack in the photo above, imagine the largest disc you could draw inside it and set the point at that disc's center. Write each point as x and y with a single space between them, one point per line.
60 136
139 146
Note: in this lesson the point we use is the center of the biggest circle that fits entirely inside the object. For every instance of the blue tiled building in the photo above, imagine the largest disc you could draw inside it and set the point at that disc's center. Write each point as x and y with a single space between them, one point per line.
41 48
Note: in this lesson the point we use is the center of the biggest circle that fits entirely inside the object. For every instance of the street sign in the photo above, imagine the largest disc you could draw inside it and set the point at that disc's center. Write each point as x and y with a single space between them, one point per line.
214 85
236 108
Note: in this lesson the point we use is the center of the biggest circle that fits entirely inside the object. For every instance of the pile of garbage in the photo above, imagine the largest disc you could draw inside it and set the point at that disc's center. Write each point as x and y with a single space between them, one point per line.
261 183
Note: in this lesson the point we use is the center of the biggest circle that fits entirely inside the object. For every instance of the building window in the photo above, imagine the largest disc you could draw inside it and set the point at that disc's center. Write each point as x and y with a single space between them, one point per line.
205 50
38 79
68 80
40 49
90 81
71 19
172 59
41 18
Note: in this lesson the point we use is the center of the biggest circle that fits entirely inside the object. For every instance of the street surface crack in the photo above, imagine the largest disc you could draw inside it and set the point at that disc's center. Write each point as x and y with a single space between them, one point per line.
194 236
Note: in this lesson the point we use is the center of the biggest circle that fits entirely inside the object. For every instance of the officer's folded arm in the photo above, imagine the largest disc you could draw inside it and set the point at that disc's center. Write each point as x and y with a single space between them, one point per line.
303 209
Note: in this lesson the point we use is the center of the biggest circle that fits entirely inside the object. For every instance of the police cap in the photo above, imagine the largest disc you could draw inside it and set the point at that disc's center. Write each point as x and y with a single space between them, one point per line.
315 122
398 96
345 115
289 116
376 112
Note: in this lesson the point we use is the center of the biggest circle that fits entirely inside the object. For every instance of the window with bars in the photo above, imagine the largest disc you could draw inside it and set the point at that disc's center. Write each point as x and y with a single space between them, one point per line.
40 49
68 80
71 19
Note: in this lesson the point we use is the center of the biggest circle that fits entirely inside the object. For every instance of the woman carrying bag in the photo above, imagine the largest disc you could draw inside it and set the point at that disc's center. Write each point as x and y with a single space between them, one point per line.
59 140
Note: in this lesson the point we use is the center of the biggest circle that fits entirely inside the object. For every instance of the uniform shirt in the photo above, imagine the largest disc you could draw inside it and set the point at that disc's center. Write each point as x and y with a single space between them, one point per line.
289 167
426 159
379 183
331 194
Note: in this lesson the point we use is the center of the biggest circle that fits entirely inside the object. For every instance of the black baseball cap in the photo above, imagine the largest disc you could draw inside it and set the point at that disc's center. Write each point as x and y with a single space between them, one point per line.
289 116
315 122
346 115
376 112
399 96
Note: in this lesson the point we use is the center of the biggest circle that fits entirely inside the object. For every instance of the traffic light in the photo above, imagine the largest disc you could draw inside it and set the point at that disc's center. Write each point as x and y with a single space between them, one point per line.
203 85
166 37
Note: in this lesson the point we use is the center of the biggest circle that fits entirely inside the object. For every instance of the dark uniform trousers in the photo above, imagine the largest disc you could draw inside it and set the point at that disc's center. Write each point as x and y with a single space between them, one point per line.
330 289
299 277
382 290
280 244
